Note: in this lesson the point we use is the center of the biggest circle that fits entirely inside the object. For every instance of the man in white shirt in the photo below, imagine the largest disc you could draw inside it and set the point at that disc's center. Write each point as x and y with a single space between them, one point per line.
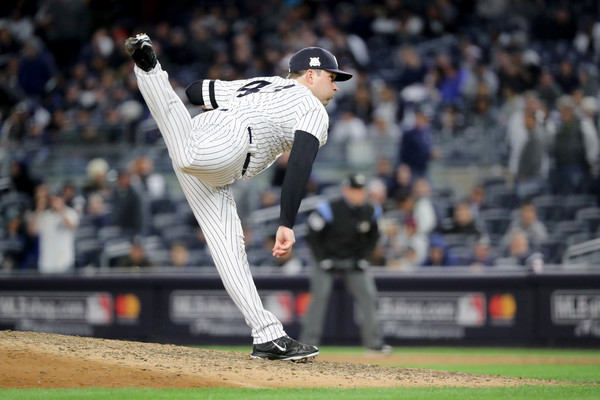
56 226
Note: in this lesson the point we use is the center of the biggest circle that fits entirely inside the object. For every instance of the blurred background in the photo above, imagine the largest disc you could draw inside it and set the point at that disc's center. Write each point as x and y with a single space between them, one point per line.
475 122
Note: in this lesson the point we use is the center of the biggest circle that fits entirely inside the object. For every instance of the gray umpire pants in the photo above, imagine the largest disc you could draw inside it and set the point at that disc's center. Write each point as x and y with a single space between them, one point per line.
361 286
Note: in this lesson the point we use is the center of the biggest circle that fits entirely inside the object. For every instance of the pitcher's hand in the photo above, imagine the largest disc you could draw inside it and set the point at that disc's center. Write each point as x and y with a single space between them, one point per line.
284 240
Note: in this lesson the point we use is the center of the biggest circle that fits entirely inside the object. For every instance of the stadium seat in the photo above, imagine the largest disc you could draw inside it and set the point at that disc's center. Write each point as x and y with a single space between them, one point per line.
552 249
109 232
590 216
501 196
574 203
564 229
87 252
550 207
495 220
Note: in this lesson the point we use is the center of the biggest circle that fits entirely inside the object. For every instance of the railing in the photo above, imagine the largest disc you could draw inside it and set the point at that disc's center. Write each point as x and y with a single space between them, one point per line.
586 253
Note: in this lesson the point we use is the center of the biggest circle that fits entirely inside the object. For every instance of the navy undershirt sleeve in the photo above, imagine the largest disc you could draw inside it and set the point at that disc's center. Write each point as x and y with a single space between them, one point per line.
303 154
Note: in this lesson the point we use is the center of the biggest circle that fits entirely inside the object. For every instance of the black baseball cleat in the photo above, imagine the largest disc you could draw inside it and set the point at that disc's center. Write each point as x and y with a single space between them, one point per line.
141 51
284 348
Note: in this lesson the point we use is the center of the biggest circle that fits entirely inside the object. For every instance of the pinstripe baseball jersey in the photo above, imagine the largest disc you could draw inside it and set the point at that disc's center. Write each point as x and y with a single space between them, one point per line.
273 107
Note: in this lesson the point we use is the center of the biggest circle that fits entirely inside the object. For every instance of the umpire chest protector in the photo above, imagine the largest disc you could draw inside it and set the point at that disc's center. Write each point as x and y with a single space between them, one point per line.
339 230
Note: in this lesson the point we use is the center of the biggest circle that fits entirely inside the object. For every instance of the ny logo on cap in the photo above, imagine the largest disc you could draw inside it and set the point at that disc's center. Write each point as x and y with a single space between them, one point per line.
314 62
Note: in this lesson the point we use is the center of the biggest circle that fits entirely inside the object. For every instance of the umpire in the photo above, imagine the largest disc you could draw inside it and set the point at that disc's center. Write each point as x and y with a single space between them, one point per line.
342 236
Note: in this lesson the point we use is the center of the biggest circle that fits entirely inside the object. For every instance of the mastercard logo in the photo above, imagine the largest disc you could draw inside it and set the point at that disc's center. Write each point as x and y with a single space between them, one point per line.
502 306
127 306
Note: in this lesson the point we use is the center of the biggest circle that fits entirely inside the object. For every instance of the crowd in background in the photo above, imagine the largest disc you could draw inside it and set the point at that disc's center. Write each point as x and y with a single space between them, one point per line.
433 79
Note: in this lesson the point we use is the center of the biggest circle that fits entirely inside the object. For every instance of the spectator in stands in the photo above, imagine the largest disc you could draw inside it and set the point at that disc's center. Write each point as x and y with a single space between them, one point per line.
411 67
482 253
377 194
416 147
451 79
482 78
404 246
96 214
462 222
35 68
518 133
548 90
127 206
72 198
383 128
148 182
589 110
438 255
482 117
180 255
21 179
97 170
136 258
405 208
520 253
66 25
527 222
533 161
401 183
451 122
574 150
477 201
55 223
349 128
423 210
361 104
384 171
567 78
385 114
15 241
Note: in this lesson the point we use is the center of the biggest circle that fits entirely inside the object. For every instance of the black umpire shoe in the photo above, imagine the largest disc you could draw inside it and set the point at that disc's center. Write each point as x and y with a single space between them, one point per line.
284 348
141 50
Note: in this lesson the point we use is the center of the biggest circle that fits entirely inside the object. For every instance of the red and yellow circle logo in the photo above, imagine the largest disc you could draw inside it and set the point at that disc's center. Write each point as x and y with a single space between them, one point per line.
502 306
127 306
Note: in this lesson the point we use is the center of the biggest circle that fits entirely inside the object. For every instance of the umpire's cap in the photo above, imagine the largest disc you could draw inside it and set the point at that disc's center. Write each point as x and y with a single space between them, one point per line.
317 58
355 181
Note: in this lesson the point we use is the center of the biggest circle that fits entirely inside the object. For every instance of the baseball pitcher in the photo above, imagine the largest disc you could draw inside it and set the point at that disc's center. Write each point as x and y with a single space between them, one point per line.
253 122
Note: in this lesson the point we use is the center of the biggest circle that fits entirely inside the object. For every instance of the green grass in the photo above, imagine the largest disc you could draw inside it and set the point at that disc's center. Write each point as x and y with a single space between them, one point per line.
564 372
525 393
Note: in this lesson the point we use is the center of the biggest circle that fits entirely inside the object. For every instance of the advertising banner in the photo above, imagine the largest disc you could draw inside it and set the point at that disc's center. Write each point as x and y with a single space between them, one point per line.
212 315
571 313
451 316
82 313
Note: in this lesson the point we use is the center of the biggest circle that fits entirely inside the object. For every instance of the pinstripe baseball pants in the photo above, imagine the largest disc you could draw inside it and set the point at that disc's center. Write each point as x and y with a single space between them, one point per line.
208 153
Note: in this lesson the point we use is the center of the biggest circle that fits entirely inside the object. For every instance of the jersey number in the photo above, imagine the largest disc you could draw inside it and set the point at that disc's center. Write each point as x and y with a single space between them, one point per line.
255 86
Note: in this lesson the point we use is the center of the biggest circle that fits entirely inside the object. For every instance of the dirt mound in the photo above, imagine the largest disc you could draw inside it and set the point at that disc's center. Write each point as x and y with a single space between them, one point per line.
38 360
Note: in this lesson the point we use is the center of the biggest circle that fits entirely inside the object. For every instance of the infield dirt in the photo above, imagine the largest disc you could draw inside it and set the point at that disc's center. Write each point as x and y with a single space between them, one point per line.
38 360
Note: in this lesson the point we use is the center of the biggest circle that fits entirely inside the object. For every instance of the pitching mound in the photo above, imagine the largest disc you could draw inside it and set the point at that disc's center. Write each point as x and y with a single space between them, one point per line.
37 360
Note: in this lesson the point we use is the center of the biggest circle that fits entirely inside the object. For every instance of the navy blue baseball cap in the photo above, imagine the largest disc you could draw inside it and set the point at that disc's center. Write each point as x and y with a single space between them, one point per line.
317 58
